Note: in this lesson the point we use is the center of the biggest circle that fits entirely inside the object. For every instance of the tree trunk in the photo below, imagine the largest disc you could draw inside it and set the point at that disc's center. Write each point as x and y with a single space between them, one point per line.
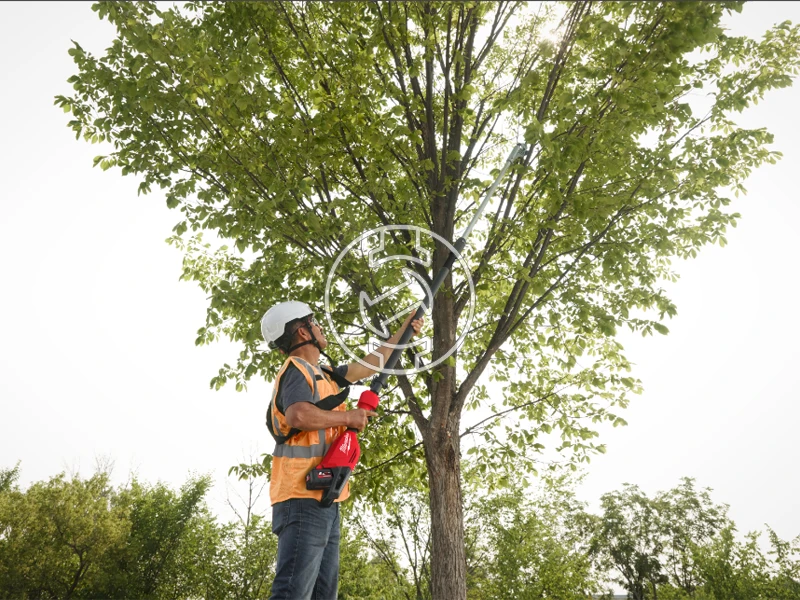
441 436
448 558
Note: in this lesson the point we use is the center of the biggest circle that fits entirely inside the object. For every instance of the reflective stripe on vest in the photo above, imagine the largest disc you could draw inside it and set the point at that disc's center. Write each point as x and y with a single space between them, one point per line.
285 450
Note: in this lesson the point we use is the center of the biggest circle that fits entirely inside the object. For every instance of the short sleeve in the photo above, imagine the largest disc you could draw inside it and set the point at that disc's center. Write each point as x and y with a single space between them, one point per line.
341 371
293 388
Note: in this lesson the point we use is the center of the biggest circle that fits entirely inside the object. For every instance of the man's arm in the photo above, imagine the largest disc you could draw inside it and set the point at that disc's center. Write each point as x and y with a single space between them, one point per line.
294 399
356 371
307 417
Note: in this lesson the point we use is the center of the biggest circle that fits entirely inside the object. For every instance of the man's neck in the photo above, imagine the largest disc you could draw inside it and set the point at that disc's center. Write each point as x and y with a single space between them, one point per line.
309 353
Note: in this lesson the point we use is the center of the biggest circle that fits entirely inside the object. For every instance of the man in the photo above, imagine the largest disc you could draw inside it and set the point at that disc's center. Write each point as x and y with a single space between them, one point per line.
308 534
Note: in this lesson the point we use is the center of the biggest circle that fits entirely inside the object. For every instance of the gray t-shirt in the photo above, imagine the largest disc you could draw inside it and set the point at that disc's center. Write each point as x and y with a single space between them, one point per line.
294 386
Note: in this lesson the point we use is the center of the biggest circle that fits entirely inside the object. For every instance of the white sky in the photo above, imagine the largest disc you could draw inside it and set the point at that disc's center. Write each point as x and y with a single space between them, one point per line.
98 359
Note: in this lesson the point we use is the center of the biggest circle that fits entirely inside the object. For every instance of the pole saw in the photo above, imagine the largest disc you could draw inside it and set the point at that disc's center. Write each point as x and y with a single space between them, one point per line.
333 472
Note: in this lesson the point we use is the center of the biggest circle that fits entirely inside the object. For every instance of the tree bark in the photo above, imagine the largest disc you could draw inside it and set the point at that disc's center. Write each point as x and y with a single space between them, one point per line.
448 559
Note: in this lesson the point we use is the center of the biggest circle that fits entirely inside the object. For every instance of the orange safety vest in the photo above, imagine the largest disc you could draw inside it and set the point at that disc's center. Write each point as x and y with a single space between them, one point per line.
303 450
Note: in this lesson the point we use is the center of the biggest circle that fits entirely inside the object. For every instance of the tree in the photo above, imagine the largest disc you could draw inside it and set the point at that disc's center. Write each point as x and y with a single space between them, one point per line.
81 538
250 549
785 583
734 569
731 569
689 519
370 576
55 536
522 541
291 128
159 520
652 542
535 545
9 478
398 527
202 558
630 536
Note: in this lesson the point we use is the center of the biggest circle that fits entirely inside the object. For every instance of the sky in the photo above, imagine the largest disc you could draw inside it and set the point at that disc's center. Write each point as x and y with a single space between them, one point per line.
97 354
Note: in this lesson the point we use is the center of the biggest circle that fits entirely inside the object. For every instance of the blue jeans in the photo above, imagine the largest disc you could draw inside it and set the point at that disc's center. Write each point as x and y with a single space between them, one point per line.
308 550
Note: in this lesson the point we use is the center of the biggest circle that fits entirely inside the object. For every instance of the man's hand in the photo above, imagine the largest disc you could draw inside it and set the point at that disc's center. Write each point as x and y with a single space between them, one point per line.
357 371
416 325
357 418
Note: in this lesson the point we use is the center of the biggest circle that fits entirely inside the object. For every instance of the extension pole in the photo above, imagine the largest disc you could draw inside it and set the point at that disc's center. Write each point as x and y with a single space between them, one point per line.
380 379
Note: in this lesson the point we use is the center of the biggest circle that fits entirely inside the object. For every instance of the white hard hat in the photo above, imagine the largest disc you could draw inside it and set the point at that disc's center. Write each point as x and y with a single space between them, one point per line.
273 323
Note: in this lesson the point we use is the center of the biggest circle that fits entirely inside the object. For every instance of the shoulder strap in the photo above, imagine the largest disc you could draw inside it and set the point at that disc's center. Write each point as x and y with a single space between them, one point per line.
331 402
338 379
